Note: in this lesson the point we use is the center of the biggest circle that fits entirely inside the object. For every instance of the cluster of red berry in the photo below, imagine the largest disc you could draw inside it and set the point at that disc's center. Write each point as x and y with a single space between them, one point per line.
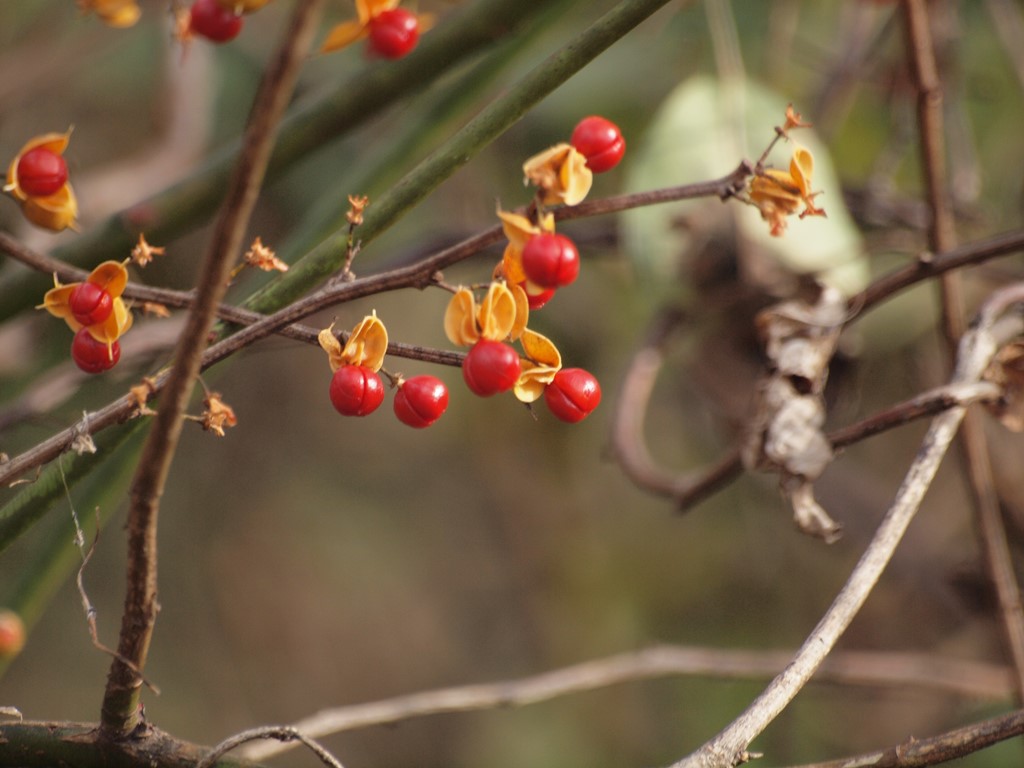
536 263
357 390
356 387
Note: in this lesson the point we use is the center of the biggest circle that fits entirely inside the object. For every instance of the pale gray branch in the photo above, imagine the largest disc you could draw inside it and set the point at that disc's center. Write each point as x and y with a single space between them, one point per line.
902 670
976 349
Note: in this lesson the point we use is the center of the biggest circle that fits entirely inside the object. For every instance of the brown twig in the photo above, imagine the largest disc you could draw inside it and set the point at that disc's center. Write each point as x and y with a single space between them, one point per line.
729 747
883 670
120 710
942 234
952 745
929 266
419 275
125 407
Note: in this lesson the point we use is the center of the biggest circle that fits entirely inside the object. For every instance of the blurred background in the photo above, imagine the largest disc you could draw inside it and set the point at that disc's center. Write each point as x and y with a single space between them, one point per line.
310 560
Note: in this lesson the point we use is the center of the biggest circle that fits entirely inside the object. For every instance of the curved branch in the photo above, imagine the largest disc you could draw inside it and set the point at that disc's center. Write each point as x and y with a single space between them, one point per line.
689 488
281 733
729 747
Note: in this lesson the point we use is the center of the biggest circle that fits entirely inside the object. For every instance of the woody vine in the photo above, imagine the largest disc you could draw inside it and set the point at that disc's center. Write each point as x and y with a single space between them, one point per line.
100 299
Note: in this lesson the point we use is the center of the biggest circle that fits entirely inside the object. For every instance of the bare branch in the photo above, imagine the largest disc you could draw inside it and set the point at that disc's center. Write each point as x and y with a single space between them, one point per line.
689 488
931 265
954 676
915 753
942 233
729 747
120 711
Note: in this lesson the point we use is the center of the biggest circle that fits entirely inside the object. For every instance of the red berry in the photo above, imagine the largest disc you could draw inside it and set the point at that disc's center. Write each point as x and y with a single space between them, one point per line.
573 394
420 401
394 33
550 260
600 141
94 356
213 21
12 634
41 172
90 304
356 390
539 299
490 367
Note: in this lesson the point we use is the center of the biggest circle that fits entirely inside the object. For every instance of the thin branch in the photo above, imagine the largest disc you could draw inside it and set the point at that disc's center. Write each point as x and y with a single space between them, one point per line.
952 745
883 670
942 233
282 733
120 710
992 532
920 406
628 443
729 747
929 266
419 275
43 744
687 489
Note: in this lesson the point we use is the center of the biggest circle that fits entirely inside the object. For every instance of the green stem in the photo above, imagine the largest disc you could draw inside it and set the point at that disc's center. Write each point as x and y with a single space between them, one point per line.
408 141
309 127
494 120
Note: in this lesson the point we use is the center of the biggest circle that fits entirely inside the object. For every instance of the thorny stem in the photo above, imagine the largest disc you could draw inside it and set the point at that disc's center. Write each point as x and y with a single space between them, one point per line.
120 711
729 747
942 234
